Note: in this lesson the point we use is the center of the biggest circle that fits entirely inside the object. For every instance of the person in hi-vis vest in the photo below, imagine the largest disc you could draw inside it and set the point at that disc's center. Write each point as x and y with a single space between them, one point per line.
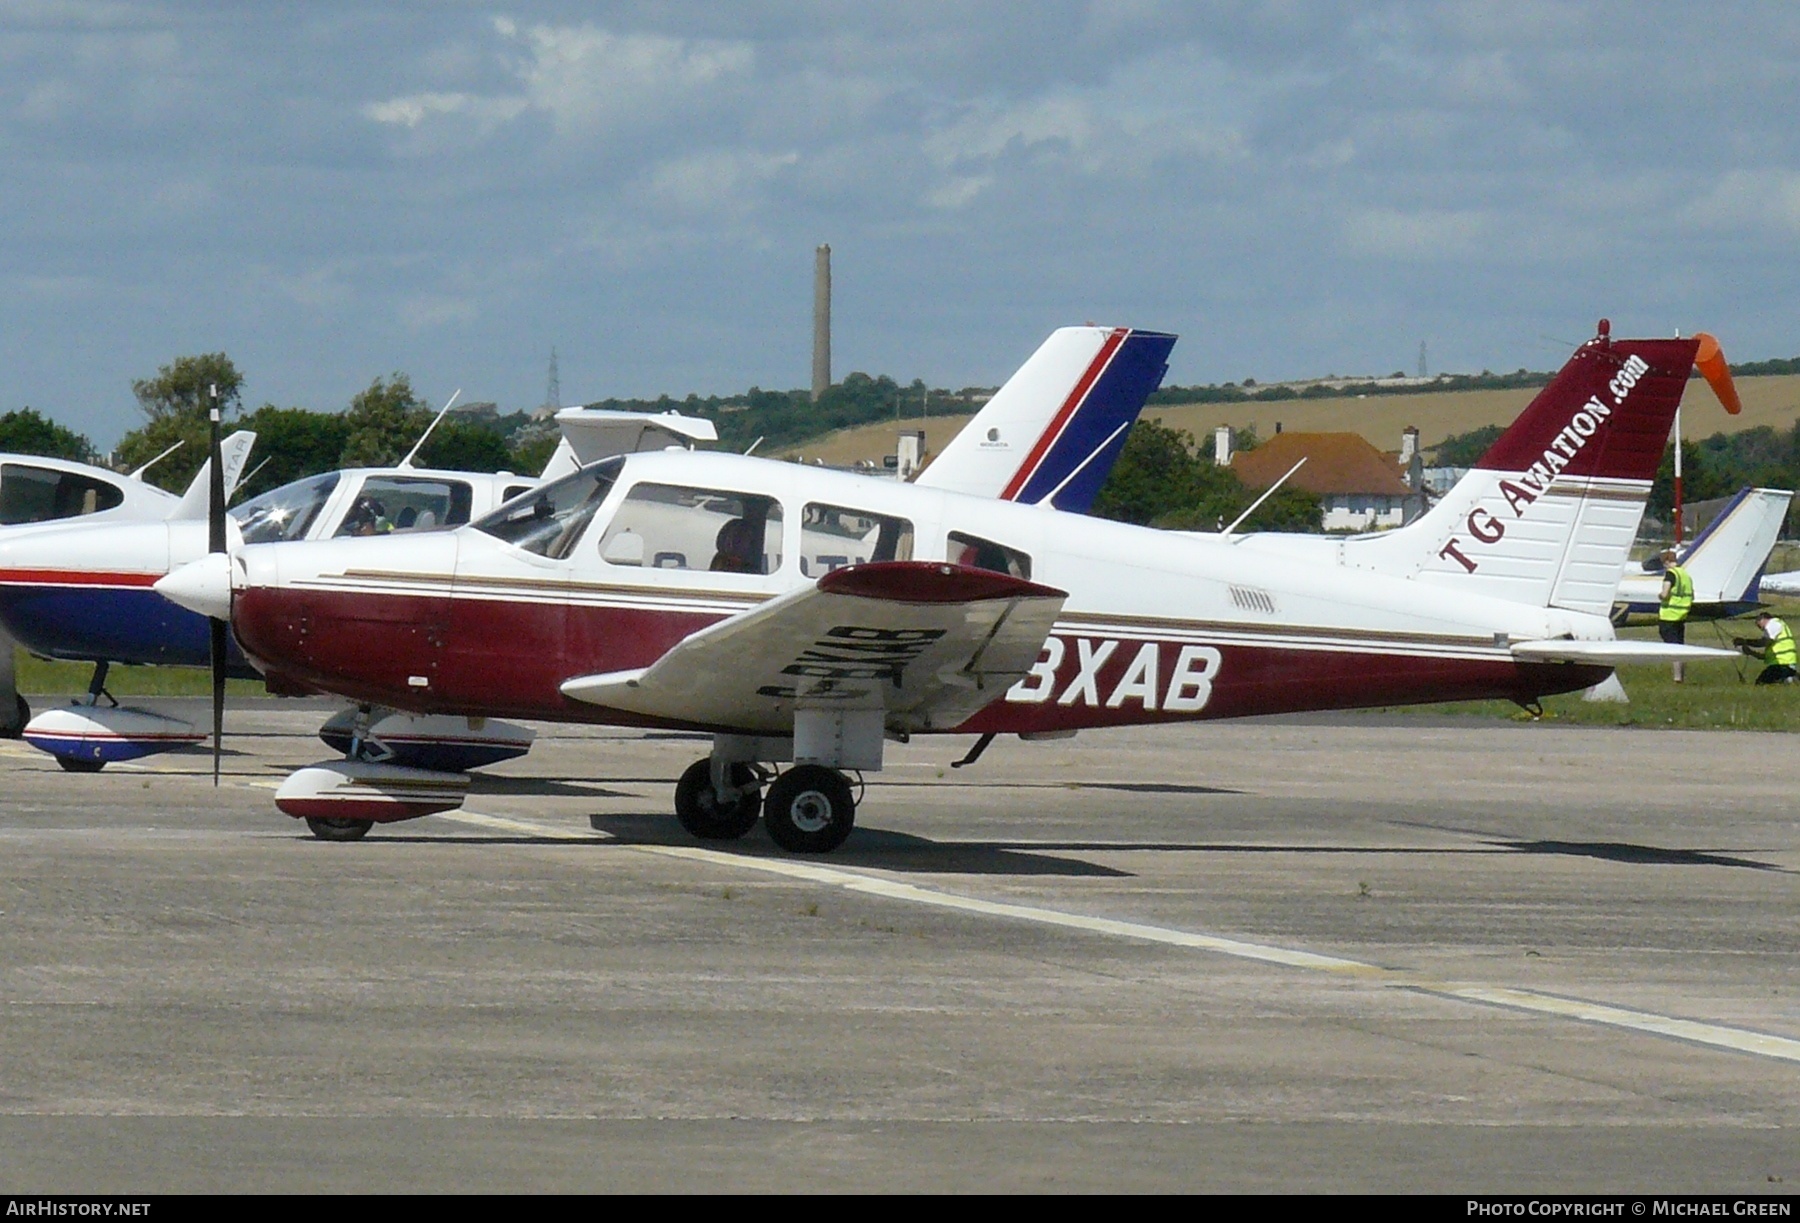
1676 600
1775 647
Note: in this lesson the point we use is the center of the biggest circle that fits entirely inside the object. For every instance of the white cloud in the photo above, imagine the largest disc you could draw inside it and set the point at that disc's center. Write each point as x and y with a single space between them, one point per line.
429 311
414 109
584 78
1422 234
1766 200
722 181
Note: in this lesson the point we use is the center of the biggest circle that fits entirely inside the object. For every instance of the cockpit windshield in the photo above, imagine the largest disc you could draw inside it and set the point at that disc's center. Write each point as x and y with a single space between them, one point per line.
549 520
286 512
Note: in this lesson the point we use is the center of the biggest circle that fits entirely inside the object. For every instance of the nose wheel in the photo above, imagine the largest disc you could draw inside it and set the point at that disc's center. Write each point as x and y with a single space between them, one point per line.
338 828
809 809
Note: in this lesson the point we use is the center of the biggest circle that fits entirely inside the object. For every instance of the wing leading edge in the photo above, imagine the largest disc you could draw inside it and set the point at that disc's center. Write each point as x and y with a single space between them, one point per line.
928 644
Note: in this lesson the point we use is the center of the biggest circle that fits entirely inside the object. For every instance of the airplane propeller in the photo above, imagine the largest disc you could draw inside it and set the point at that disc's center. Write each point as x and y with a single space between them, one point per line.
215 543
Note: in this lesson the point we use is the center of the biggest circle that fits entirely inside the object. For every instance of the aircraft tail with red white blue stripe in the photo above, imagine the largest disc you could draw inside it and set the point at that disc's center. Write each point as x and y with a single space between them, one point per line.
1051 435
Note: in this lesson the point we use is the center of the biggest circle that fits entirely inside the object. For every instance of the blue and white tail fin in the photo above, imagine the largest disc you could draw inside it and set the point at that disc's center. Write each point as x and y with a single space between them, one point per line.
1725 560
234 452
1051 435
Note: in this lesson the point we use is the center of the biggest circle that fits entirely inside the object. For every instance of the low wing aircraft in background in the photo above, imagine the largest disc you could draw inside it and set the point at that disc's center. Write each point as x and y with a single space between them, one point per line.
39 494
585 601
1726 561
1050 434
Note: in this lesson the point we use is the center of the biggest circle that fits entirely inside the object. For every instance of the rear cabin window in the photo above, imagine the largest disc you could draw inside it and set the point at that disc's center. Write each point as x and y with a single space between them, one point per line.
978 553
389 505
834 536
671 526
43 494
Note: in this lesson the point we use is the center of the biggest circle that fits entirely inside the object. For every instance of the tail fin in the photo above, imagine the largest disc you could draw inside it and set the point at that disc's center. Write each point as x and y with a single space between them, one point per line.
1726 559
1548 514
1053 432
235 452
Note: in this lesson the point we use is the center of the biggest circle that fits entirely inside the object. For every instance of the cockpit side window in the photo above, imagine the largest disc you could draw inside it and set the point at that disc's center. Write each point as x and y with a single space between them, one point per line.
834 536
977 553
43 494
671 526
549 520
286 512
393 504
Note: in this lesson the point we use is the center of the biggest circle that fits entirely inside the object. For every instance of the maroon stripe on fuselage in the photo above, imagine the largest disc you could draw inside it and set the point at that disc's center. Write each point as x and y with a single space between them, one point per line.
495 658
486 657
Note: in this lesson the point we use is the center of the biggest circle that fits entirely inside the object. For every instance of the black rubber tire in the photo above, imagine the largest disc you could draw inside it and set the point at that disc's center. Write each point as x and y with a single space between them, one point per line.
338 828
809 809
74 764
21 714
697 807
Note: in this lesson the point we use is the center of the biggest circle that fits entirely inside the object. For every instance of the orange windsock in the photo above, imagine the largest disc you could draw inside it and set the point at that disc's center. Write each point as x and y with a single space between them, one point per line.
1709 359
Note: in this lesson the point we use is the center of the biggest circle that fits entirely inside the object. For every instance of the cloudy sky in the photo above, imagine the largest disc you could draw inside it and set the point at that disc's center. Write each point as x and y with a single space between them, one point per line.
332 191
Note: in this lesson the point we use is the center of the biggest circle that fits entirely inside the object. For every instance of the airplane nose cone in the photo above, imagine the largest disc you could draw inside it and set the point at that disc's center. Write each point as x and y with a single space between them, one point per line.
202 586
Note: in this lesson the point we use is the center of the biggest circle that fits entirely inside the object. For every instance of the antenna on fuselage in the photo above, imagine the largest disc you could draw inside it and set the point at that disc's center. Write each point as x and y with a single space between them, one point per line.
442 412
139 473
1267 493
751 449
244 482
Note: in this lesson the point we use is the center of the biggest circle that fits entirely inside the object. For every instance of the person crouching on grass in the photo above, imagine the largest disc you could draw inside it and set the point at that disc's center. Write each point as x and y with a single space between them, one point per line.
1775 647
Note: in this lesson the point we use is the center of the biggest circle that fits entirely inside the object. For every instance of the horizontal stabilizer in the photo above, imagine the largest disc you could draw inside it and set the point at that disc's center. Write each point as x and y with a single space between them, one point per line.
592 434
928 644
1613 653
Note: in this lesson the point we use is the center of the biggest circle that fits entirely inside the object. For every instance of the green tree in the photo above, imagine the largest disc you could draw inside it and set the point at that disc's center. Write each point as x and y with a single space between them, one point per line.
177 403
182 387
1465 449
27 431
532 448
1156 474
466 445
383 423
292 443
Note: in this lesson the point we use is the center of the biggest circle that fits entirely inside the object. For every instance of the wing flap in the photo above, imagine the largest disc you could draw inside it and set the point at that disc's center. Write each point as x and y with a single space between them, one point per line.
928 644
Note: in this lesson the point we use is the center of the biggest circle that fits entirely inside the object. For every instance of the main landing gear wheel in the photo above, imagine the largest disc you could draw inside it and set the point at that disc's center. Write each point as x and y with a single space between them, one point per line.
75 764
809 810
698 808
338 828
15 729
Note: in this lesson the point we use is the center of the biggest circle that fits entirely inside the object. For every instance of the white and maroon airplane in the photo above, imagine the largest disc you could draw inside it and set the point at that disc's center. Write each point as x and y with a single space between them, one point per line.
701 592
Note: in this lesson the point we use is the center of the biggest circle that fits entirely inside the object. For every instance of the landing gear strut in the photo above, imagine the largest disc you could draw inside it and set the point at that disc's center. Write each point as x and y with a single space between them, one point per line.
339 827
96 690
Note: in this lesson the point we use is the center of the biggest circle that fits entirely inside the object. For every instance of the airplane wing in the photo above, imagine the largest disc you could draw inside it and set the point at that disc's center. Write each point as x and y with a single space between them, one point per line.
1613 653
926 643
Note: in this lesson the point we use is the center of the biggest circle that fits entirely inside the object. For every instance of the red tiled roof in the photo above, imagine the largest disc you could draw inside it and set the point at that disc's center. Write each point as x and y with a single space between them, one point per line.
1335 463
